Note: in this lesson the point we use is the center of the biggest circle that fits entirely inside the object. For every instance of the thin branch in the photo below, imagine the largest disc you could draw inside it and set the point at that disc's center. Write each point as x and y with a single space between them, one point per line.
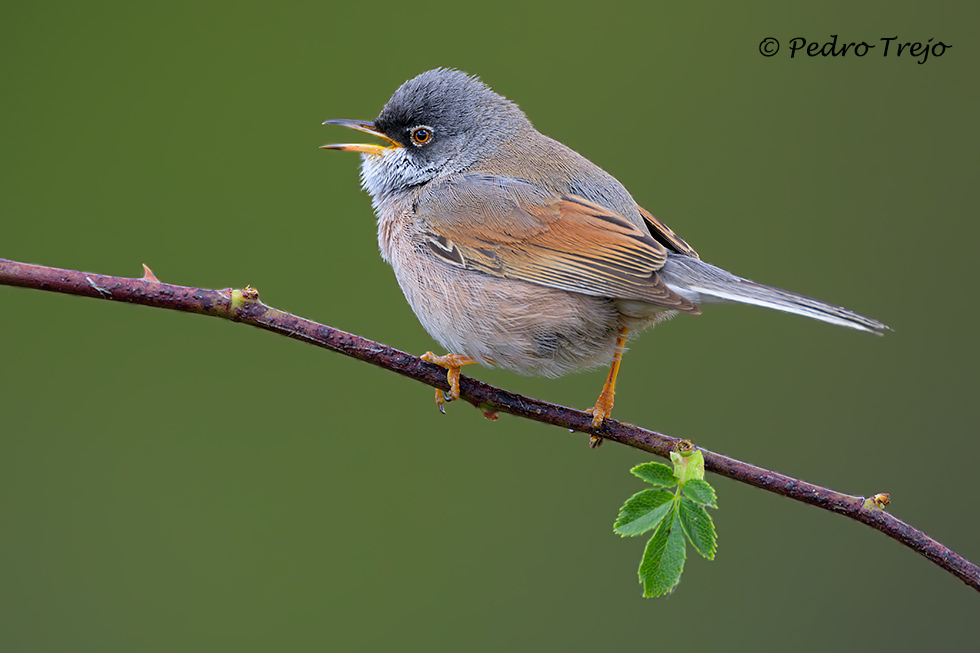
244 306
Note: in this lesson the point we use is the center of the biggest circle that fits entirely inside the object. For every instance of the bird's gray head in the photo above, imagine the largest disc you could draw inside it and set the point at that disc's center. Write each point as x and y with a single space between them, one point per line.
438 123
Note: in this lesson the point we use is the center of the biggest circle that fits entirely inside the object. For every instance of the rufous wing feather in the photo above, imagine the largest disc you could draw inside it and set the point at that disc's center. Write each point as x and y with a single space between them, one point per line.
564 242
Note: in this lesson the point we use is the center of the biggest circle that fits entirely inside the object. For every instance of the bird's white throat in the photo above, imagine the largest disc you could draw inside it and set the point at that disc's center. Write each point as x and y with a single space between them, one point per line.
389 175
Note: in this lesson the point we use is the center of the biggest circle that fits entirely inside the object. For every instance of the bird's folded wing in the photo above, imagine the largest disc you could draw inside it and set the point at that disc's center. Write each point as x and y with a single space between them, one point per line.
507 228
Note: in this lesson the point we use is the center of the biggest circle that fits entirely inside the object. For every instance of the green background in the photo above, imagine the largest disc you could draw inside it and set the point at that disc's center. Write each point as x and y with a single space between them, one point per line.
170 482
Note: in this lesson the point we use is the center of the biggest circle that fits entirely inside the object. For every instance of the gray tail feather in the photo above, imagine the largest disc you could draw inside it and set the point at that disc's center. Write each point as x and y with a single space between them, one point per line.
702 283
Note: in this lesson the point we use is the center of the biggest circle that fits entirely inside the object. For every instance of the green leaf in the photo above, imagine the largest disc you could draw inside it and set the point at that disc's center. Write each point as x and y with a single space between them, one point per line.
663 559
698 527
653 555
688 467
656 473
643 511
698 491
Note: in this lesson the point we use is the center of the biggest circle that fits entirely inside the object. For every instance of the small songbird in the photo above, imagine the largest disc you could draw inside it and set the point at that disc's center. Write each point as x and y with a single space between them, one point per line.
513 250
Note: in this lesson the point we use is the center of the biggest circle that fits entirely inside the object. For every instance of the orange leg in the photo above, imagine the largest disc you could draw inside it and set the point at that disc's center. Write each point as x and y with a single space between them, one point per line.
452 363
604 405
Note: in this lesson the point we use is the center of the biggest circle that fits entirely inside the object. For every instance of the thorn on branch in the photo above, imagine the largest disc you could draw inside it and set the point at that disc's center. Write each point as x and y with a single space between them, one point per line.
148 274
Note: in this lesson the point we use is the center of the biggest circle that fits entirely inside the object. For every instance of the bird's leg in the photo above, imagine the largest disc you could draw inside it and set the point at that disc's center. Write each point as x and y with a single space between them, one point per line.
604 405
452 363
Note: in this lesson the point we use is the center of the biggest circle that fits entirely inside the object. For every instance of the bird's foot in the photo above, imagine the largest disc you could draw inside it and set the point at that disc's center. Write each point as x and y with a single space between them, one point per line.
600 412
452 363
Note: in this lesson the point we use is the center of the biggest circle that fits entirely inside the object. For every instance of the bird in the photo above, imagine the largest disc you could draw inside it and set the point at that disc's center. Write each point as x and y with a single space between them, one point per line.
515 251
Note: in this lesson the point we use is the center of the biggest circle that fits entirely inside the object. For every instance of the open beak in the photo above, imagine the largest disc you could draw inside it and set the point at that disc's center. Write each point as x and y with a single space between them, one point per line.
367 128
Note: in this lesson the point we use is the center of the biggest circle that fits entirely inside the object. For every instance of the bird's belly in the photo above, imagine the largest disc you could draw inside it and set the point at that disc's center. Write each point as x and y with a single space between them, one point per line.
513 324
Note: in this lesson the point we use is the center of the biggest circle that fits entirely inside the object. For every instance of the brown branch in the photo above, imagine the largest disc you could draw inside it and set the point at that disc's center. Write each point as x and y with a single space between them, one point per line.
244 306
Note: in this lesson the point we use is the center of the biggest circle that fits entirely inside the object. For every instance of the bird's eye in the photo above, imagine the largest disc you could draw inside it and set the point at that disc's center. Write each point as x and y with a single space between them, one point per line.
422 135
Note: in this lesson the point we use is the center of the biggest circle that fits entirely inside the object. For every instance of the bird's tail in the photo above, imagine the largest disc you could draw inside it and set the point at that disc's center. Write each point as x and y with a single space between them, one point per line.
703 283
